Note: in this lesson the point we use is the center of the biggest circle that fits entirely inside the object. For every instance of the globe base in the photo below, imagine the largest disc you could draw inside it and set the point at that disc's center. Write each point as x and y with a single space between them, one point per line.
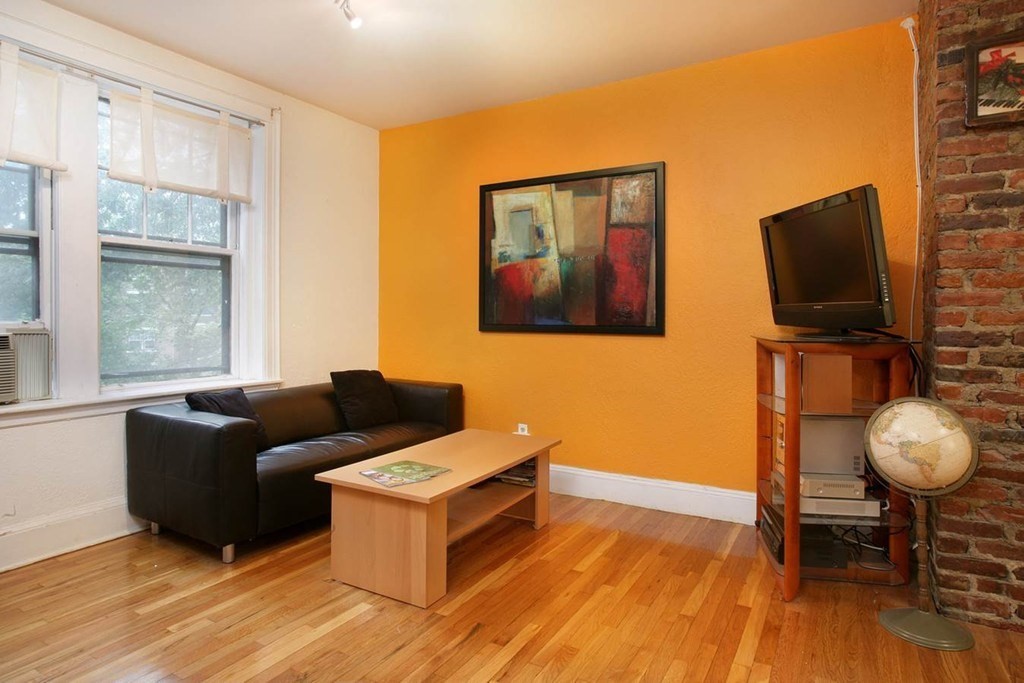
926 629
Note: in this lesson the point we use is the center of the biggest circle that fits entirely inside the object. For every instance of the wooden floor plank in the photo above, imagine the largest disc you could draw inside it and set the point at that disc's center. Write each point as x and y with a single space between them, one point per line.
604 592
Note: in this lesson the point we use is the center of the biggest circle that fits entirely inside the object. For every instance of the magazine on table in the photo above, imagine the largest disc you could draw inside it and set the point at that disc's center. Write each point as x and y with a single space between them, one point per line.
523 474
403 472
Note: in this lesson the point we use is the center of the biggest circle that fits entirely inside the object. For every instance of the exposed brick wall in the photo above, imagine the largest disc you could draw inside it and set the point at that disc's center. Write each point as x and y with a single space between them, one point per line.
974 313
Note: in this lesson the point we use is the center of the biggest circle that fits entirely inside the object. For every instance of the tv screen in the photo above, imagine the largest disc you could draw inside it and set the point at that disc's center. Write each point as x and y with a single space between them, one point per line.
827 265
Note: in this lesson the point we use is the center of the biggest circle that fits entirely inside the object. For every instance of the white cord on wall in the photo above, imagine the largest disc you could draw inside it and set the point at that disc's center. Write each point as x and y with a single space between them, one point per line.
908 24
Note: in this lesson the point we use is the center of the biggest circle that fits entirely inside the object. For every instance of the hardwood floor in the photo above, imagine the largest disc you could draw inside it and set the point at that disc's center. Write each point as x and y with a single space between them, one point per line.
605 592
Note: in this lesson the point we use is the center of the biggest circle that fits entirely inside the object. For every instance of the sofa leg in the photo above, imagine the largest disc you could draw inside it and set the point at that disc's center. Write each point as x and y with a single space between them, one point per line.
227 554
154 528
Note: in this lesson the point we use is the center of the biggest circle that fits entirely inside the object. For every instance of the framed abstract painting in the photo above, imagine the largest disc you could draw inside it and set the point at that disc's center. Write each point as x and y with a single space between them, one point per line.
581 253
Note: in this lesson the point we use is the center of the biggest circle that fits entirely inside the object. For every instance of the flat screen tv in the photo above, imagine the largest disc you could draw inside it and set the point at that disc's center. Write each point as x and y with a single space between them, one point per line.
827 266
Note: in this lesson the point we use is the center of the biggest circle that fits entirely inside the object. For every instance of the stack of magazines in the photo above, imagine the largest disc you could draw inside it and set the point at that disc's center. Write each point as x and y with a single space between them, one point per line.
403 472
523 474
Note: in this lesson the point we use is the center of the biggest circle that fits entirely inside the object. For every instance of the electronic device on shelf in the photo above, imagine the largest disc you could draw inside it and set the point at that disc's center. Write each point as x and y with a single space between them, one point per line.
820 545
772 532
832 445
833 507
832 486
840 507
827 264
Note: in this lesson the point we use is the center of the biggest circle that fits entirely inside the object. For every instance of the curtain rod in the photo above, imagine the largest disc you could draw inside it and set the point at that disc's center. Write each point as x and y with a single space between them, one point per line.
121 80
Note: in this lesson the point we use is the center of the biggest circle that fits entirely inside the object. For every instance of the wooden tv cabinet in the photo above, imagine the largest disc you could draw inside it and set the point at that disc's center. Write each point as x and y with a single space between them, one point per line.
825 379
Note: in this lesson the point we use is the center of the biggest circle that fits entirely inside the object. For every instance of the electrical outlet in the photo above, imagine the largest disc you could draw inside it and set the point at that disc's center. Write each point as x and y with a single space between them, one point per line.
523 429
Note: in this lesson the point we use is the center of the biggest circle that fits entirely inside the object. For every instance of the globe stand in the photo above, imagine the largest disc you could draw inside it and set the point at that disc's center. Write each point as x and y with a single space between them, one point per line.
921 625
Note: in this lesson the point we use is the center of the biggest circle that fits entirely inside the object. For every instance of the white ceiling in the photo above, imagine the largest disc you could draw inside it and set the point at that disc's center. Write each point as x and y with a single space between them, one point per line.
415 60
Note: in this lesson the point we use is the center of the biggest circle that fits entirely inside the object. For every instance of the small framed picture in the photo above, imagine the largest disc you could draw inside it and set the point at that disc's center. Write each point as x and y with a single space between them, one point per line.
995 79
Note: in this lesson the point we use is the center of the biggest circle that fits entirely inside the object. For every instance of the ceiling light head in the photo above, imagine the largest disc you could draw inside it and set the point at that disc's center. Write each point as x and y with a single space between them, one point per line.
353 20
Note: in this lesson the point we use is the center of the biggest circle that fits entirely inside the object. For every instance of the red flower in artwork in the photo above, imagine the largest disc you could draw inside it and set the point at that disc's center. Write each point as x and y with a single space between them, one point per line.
996 60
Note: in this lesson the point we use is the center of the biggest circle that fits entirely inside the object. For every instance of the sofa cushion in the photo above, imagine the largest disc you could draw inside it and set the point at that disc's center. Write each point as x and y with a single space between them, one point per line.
390 437
364 397
296 413
231 402
288 491
285 474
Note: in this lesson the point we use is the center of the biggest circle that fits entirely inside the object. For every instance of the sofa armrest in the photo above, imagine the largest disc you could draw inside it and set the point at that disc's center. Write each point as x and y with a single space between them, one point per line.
436 402
193 472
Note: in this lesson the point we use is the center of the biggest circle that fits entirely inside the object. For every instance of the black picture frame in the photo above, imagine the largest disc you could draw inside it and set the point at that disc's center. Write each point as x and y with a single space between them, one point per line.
994 68
580 253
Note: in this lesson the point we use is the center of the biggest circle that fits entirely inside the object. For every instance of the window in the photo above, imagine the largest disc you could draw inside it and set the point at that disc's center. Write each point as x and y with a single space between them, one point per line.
165 279
19 244
165 315
138 227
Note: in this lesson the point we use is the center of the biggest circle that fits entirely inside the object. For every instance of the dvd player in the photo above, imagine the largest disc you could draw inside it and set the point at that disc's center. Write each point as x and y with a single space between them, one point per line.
840 507
832 486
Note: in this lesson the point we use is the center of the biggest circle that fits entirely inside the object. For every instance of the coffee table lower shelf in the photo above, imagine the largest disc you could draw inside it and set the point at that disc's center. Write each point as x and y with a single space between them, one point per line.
470 509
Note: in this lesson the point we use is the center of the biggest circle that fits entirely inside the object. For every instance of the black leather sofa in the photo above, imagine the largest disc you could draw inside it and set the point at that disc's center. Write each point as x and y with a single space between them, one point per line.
200 474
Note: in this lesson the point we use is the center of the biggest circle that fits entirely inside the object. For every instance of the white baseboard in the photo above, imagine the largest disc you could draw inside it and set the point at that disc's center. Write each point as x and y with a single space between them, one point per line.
78 527
657 494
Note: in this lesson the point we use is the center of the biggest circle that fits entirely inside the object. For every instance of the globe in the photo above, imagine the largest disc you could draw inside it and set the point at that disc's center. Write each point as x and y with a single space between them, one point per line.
925 449
920 446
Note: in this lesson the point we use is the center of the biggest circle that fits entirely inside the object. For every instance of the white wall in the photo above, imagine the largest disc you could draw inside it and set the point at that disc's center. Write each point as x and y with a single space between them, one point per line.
62 483
329 264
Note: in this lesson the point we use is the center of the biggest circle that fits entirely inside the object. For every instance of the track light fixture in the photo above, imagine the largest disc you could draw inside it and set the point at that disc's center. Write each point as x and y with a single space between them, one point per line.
346 9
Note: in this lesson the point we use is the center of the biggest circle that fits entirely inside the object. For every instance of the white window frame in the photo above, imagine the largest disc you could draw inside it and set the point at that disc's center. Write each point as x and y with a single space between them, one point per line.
44 226
70 247
43 207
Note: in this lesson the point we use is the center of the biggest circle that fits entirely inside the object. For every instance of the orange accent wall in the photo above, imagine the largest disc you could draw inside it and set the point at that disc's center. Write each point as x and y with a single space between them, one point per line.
742 137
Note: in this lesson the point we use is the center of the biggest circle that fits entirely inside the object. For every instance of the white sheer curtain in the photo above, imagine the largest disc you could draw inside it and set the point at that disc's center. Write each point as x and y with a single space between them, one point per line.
162 146
29 96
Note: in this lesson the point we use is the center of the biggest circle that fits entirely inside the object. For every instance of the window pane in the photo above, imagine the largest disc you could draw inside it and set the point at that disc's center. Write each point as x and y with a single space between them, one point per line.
167 216
17 197
163 315
120 206
104 131
19 278
209 220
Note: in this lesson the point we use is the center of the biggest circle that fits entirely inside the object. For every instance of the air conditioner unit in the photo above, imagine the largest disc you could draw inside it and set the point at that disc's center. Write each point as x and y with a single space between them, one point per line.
8 371
32 351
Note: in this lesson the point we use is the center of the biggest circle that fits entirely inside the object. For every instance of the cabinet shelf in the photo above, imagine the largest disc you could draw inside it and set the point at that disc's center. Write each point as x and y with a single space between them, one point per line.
857 573
887 519
777 404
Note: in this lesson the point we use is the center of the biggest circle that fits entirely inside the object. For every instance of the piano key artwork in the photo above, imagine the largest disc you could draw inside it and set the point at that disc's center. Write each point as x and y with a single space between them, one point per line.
995 79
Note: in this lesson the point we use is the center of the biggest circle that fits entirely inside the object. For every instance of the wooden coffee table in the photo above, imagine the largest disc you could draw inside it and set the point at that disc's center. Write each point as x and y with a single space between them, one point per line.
394 541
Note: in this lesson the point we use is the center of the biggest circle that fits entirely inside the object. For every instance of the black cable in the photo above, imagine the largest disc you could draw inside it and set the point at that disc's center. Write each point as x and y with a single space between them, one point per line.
918 374
857 546
880 333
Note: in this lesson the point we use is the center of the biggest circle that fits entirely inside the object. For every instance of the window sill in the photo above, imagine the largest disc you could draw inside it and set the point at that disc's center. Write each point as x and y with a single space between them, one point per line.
57 409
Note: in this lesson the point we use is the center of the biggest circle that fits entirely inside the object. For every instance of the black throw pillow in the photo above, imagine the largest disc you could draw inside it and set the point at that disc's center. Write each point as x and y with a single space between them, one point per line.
233 403
364 398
